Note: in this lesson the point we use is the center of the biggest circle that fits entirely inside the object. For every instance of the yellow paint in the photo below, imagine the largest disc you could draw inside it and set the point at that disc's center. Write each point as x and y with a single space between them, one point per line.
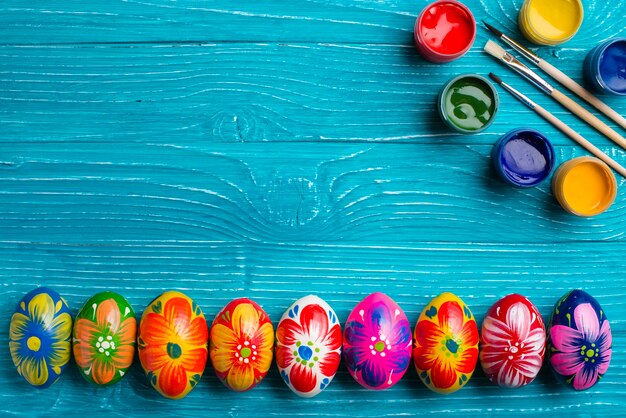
550 22
585 186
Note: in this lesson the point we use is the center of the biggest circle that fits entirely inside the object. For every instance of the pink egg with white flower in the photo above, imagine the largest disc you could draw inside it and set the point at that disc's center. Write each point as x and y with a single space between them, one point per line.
308 346
512 342
377 342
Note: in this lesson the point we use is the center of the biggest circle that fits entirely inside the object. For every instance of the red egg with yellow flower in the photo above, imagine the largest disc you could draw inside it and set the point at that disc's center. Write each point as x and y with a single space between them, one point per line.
242 339
172 343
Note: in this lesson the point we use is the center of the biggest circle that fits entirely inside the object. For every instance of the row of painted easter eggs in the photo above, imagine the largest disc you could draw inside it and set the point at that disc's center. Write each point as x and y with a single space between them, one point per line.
377 342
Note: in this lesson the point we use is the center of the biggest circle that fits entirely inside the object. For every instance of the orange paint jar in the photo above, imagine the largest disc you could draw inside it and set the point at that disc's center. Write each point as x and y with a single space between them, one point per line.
584 186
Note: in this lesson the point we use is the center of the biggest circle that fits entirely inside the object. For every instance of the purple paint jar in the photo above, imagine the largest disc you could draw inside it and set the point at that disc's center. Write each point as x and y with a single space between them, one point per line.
523 157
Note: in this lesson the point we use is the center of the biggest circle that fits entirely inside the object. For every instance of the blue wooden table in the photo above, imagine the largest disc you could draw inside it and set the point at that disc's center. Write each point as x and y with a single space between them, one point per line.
272 149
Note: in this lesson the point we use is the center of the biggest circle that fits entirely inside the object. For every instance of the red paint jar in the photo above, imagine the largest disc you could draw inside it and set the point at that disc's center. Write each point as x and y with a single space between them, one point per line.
444 31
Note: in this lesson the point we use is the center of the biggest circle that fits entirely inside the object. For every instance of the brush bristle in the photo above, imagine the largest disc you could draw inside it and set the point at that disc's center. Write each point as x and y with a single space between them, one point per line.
494 49
495 78
493 30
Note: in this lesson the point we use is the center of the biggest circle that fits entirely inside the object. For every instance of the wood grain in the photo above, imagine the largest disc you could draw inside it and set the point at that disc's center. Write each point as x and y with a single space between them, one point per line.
386 21
271 150
196 94
381 193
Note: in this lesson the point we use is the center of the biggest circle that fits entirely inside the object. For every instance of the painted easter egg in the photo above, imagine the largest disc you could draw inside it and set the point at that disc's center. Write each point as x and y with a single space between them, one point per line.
512 342
377 342
39 337
308 346
172 343
242 339
104 338
579 340
445 344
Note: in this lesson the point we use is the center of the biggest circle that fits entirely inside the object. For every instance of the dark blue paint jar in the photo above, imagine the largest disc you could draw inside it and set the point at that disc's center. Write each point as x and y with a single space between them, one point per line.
605 67
523 157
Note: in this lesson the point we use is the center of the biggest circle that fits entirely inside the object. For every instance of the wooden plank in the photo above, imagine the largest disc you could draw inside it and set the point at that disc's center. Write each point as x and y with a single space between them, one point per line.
275 275
332 193
248 20
195 94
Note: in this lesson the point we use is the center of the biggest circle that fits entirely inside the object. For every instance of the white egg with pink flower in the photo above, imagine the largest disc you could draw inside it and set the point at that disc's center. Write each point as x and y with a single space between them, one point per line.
308 346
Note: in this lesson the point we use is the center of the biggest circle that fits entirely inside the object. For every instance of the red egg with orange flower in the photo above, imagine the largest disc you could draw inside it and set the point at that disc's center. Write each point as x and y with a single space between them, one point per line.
172 344
242 339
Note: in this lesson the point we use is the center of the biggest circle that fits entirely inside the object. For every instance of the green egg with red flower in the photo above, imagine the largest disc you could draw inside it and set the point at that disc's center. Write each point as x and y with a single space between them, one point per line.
104 338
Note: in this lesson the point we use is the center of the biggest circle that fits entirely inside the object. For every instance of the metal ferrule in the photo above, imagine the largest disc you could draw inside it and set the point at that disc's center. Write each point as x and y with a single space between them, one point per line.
519 96
521 49
527 73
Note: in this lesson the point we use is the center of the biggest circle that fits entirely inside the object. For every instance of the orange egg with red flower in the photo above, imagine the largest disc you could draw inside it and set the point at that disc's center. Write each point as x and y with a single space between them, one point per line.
242 338
445 344
172 343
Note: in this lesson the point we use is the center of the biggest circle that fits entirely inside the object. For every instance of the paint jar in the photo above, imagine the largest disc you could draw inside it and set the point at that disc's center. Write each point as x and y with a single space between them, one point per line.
523 157
605 67
584 186
550 22
444 31
468 103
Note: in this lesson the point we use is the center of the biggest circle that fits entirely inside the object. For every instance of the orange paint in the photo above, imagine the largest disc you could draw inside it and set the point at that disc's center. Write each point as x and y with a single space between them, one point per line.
584 186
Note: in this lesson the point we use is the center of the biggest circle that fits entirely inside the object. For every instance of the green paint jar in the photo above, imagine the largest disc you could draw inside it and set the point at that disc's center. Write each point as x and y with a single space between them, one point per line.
468 103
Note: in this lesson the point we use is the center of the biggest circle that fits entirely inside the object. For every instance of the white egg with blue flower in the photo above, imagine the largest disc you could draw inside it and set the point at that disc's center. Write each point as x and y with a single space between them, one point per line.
308 346
39 337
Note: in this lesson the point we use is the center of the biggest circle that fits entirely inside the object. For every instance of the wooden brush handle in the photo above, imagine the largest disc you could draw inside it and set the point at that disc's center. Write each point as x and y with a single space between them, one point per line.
585 115
582 92
580 140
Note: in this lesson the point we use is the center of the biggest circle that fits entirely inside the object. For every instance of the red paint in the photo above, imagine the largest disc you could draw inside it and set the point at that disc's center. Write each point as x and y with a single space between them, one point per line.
444 31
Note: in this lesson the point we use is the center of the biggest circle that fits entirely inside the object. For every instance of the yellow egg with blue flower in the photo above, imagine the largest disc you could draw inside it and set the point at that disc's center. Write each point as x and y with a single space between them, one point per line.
39 337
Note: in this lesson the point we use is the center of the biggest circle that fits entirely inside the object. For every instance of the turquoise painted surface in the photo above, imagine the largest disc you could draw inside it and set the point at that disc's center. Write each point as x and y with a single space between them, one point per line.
270 150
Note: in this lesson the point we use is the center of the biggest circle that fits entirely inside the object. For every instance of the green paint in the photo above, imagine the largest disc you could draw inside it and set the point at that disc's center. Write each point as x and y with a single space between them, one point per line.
468 104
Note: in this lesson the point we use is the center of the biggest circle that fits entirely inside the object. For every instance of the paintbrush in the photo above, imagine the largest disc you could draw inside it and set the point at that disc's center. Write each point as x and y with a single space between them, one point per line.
498 52
561 125
561 77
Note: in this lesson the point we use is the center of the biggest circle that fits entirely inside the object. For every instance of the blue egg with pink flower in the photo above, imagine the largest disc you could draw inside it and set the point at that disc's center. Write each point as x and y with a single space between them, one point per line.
579 340
377 342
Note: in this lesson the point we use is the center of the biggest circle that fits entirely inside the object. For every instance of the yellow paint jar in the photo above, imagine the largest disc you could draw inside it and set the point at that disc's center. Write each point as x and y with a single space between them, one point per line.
584 186
550 22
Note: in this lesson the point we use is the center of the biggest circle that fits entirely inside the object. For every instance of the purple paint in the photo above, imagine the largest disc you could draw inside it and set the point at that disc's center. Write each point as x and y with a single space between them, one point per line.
523 157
